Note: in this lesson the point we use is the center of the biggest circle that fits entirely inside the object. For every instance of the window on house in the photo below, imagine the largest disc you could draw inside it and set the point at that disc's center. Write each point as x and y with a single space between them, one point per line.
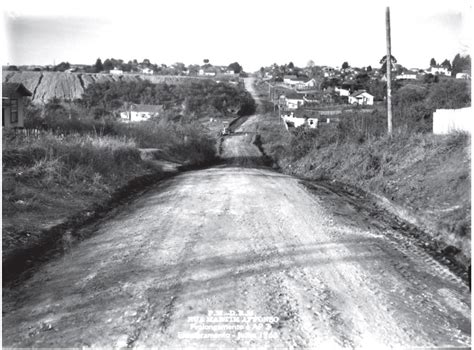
14 111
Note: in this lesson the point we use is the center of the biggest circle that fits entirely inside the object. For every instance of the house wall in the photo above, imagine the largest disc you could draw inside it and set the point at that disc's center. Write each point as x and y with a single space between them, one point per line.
313 123
446 121
6 113
342 92
135 116
362 100
294 103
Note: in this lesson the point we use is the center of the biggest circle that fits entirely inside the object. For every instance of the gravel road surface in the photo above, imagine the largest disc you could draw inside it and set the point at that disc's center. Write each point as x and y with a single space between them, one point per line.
238 256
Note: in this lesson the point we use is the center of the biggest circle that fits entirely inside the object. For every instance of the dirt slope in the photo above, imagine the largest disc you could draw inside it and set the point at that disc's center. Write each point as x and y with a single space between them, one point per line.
48 85
238 238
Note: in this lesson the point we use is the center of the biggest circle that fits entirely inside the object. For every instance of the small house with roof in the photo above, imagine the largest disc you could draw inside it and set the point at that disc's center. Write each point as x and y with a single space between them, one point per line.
14 97
361 97
439 70
291 101
140 112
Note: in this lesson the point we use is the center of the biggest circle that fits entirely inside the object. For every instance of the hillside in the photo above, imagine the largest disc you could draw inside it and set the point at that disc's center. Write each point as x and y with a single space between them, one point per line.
69 86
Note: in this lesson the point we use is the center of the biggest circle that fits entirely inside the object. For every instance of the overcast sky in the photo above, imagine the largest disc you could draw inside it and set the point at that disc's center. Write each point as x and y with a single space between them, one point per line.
253 32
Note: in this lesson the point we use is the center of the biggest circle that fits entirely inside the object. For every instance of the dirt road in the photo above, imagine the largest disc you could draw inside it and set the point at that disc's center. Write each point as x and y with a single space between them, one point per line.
236 256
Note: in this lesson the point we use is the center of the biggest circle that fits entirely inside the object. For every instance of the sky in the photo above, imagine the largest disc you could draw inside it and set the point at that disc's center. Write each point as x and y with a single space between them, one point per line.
254 33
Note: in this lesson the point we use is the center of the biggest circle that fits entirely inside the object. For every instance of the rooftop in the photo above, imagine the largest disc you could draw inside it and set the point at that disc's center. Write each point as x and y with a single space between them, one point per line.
10 89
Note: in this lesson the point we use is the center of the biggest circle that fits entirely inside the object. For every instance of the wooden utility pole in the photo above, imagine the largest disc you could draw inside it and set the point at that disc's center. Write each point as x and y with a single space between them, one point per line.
389 72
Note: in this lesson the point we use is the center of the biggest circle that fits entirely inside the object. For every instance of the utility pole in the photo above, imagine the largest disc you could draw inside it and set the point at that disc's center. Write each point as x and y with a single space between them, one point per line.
389 72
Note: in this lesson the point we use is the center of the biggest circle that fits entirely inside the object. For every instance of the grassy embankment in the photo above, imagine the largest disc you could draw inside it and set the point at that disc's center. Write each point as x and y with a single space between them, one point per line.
424 178
49 178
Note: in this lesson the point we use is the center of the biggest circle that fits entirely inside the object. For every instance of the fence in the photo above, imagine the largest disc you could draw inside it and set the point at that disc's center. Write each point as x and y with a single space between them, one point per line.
451 120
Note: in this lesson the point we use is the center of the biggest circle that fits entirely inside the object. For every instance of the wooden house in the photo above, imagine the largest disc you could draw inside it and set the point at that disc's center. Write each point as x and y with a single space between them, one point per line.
14 97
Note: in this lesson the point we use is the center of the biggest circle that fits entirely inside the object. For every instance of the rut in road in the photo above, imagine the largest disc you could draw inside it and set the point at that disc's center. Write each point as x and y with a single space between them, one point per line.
238 238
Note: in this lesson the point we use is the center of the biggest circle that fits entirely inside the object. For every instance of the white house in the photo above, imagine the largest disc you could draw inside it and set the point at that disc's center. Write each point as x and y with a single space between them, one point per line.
290 79
140 112
439 70
302 85
147 71
207 72
406 76
361 97
463 75
291 101
342 92
298 121
116 71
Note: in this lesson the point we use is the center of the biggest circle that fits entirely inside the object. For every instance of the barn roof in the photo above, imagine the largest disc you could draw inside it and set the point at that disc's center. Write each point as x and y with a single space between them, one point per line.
10 89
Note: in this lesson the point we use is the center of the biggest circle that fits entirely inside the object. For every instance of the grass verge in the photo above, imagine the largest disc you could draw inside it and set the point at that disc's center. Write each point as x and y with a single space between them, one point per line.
423 178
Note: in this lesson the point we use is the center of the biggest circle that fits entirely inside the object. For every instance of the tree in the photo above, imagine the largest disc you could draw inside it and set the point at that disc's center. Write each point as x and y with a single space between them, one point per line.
310 64
99 67
62 67
369 69
108 65
206 61
446 64
345 65
262 72
236 67
433 63
291 65
383 62
461 63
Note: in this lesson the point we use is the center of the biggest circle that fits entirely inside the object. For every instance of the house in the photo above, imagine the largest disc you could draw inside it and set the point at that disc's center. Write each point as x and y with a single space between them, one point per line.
463 75
304 84
312 98
116 71
147 71
140 112
439 70
13 101
361 97
302 118
406 76
342 91
289 79
291 101
207 72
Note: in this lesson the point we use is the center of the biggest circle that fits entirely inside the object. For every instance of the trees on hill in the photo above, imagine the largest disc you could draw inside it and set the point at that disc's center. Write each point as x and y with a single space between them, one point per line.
98 67
460 64
62 67
236 67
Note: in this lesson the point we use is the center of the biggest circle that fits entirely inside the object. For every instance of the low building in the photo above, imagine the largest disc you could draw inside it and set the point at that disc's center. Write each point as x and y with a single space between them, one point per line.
439 70
406 76
14 97
303 118
361 97
305 84
291 101
147 71
342 91
140 112
116 71
463 75
207 72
